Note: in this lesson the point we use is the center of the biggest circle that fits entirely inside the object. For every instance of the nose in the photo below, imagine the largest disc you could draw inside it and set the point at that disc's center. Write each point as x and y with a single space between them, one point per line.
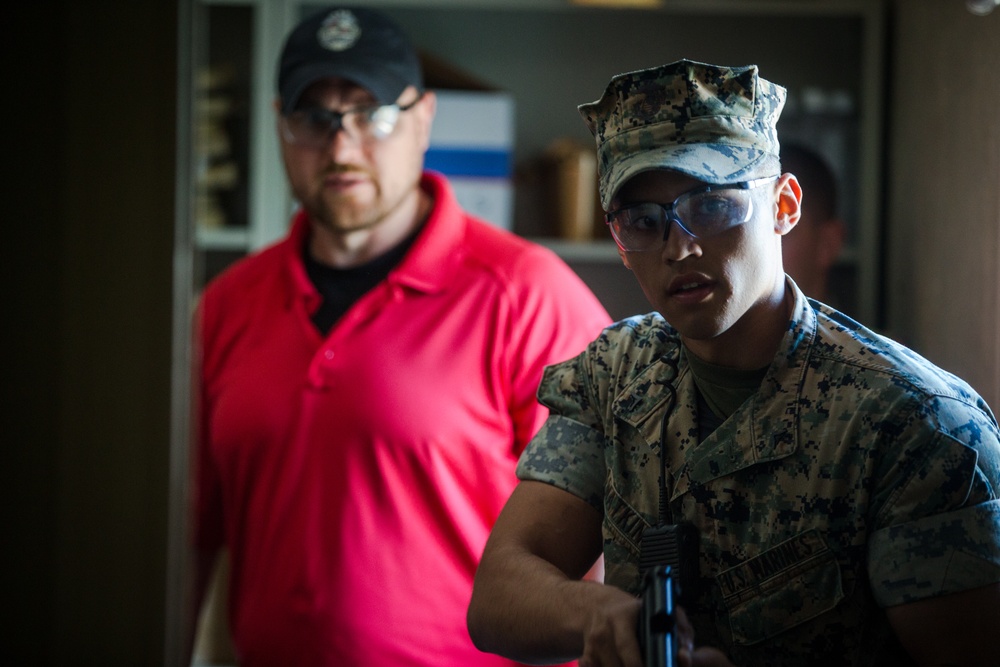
341 141
678 242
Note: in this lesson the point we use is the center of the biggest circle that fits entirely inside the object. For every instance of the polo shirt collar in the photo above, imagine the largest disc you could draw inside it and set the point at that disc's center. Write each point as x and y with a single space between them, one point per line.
432 261
439 249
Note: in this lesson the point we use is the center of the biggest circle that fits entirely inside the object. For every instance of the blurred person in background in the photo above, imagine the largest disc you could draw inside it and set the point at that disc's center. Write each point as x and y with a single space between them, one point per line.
810 250
368 383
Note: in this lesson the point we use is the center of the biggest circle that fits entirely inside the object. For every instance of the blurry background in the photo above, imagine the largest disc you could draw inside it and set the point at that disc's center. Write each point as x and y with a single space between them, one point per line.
509 77
113 230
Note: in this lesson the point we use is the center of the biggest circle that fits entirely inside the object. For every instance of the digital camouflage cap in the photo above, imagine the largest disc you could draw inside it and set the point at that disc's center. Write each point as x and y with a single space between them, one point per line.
710 122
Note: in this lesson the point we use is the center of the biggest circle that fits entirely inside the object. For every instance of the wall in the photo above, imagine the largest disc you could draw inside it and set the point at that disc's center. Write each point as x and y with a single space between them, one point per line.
87 293
564 58
550 56
943 236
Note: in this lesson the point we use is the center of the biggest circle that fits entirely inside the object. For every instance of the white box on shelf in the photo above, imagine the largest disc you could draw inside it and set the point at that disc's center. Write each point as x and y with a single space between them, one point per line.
472 143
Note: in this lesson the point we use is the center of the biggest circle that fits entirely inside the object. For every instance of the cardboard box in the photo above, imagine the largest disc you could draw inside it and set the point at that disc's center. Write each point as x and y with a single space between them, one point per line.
472 142
570 174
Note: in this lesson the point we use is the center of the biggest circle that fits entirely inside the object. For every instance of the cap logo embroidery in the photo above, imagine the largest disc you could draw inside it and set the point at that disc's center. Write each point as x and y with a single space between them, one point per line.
339 31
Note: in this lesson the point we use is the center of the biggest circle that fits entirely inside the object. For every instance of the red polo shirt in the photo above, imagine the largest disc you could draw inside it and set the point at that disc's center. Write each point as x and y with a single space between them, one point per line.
355 477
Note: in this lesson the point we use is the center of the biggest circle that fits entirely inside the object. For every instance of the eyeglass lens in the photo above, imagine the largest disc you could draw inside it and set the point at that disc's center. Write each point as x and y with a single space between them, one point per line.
701 214
316 127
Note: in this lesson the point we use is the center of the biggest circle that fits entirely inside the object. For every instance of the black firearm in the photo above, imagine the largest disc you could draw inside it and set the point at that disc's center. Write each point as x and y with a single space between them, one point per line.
669 562
657 622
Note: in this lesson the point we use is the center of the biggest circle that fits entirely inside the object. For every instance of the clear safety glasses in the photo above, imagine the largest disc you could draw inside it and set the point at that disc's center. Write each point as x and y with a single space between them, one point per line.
701 213
315 127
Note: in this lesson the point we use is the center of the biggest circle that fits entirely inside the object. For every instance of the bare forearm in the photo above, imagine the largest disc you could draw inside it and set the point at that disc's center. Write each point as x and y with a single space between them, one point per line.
530 601
528 610
525 608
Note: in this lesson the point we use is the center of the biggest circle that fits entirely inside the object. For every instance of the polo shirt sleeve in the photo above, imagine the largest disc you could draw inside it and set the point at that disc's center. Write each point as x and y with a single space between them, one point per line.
568 451
939 531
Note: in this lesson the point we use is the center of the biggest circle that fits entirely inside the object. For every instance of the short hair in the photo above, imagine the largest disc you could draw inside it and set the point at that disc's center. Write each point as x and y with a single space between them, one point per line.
819 185
769 164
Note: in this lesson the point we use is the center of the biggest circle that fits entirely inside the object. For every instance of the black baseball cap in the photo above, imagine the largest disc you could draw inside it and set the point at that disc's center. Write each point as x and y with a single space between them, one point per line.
354 43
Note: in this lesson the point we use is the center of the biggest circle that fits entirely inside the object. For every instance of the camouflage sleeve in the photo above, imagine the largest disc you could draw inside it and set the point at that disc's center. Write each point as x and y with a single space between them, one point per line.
944 553
568 451
940 532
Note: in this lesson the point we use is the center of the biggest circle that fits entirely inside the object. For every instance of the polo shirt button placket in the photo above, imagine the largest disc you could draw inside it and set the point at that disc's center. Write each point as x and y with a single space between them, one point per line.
316 369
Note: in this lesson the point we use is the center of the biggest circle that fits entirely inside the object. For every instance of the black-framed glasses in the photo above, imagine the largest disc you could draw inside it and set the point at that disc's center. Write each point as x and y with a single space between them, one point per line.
701 213
315 127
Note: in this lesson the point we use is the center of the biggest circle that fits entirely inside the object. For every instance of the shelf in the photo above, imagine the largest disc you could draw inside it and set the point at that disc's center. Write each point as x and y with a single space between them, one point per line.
581 251
223 239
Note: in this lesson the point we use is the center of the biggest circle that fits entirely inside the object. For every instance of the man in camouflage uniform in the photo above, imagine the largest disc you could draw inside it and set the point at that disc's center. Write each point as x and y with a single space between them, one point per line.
844 489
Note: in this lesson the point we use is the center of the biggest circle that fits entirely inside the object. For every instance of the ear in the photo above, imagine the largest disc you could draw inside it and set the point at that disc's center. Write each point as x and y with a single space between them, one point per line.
788 203
426 108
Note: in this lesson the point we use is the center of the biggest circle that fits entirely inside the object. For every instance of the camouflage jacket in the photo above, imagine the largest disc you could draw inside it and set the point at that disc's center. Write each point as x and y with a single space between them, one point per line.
859 476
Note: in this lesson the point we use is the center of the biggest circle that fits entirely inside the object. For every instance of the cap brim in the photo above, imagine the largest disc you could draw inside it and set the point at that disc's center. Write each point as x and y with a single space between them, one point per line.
716 164
384 86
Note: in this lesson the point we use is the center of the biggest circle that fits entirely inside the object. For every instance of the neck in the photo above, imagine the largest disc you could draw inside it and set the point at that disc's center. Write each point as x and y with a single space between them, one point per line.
348 248
752 342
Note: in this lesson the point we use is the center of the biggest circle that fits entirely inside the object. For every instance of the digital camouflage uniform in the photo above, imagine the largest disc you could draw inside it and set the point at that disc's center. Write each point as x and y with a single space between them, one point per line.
859 476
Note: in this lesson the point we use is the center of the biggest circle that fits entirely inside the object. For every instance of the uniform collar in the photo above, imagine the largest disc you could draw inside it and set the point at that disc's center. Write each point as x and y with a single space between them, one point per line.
765 428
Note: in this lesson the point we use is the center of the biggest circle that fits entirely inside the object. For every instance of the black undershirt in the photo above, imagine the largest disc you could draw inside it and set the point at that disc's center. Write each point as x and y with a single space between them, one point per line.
341 288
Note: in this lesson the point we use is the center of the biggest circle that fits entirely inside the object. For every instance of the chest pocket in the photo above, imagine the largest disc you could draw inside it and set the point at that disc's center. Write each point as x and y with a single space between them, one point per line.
781 588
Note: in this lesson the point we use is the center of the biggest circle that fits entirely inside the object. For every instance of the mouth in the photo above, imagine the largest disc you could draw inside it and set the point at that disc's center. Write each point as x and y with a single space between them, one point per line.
344 178
690 289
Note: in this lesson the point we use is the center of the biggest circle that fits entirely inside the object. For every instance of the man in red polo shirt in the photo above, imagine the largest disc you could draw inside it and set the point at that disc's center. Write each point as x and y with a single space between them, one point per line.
368 383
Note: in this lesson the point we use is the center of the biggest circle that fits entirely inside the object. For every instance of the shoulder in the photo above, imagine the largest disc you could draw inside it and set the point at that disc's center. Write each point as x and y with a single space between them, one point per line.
249 272
871 364
512 257
622 352
532 276
635 342
242 289
481 251
452 232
